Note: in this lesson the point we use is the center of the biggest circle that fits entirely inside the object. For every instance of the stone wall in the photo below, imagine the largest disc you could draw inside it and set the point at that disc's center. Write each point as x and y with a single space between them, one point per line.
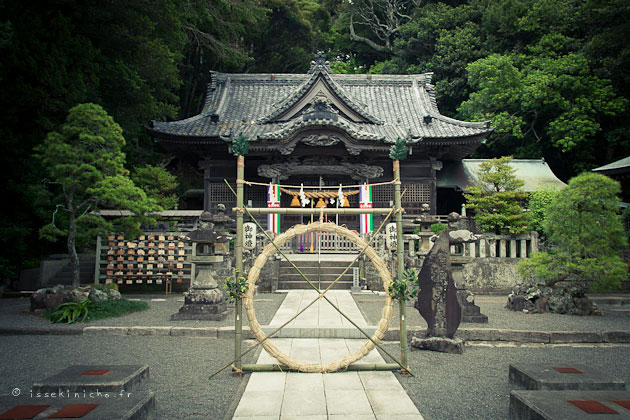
488 275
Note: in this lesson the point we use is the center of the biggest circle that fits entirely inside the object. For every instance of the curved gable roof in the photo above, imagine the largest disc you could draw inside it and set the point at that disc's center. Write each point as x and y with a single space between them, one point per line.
270 107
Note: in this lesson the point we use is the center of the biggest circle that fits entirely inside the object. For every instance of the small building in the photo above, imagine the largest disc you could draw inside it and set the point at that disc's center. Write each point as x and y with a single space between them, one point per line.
619 170
322 128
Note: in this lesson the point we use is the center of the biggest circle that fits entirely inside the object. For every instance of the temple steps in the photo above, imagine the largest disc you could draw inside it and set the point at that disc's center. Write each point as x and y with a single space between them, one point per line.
322 274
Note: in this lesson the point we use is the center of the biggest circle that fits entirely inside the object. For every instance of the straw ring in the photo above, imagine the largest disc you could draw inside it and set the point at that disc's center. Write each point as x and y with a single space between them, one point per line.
270 250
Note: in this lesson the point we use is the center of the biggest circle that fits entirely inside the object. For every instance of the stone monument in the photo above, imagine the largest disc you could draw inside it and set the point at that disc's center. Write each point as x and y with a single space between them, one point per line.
205 300
437 300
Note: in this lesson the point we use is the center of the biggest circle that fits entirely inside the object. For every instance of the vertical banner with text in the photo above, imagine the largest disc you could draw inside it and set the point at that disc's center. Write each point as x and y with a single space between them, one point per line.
365 202
273 202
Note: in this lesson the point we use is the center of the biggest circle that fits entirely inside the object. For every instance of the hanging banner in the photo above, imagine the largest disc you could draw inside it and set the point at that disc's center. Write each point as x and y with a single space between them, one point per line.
391 236
273 202
365 202
249 235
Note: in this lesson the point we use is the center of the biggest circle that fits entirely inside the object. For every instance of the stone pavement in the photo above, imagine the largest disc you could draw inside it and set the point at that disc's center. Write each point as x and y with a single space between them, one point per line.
323 396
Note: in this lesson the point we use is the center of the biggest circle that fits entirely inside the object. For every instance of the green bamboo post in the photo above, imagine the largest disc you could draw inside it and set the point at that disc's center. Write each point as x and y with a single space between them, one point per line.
401 262
238 251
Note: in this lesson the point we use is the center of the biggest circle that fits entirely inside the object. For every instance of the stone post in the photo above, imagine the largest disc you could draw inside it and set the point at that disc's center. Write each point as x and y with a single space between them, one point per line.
502 248
512 248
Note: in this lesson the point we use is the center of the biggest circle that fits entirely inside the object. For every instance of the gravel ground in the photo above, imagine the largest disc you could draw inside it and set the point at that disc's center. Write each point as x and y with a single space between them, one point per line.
472 386
501 318
179 368
15 313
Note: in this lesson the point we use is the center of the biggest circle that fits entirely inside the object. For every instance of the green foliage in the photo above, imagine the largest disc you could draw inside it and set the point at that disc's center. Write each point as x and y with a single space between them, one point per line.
235 286
625 216
539 202
496 199
240 145
405 289
438 227
398 151
158 184
115 308
585 236
71 312
85 166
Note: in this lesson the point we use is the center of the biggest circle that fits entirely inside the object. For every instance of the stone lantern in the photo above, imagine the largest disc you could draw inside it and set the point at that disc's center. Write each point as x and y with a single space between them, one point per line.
205 300
425 220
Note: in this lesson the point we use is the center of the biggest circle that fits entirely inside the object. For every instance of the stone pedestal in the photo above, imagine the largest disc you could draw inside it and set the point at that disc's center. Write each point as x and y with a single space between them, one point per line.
208 305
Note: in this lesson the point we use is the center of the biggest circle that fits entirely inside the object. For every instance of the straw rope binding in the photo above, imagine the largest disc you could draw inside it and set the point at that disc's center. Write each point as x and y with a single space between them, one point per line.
269 251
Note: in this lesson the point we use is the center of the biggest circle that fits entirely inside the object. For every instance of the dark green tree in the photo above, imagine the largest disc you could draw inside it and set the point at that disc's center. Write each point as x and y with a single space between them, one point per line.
585 236
84 161
496 198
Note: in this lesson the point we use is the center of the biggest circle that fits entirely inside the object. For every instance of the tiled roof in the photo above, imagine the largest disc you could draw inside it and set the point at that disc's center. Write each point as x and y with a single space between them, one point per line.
617 167
387 106
535 172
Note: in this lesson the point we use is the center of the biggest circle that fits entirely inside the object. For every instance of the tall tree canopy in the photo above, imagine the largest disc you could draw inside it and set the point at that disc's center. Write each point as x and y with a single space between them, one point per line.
84 162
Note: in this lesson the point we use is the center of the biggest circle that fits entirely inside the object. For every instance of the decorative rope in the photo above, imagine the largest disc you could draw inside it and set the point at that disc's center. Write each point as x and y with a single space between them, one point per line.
319 194
329 187
270 250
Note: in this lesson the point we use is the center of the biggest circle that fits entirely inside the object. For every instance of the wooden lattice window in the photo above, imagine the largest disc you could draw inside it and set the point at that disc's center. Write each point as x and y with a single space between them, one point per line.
417 193
220 193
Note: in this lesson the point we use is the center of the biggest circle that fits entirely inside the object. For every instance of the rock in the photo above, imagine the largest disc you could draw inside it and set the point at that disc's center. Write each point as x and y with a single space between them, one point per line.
542 305
114 294
37 300
583 305
53 300
97 295
517 303
561 299
441 344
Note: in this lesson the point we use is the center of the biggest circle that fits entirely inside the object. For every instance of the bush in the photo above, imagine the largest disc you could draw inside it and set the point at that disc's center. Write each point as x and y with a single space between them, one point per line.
585 236
438 227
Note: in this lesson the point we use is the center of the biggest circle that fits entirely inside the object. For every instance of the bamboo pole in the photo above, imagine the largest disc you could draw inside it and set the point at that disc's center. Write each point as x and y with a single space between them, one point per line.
251 367
404 367
315 211
238 251
401 263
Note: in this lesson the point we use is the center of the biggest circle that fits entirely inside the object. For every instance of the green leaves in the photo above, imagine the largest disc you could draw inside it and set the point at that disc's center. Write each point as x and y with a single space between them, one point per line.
496 198
404 289
235 286
398 151
71 312
240 145
585 236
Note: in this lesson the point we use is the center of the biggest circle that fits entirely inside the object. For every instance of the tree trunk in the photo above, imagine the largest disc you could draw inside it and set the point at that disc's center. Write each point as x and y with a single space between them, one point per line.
72 249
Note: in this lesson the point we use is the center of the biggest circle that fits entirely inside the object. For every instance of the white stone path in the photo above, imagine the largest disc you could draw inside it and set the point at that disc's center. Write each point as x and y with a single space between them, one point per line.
323 396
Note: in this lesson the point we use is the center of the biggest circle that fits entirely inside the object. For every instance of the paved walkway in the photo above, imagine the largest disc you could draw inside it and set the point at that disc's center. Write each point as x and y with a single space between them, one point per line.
318 396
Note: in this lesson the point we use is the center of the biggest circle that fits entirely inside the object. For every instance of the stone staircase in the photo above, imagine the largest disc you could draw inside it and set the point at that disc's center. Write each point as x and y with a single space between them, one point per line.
321 274
64 276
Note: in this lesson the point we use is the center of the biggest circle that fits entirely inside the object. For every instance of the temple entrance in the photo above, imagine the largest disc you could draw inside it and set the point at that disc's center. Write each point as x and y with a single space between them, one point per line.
321 242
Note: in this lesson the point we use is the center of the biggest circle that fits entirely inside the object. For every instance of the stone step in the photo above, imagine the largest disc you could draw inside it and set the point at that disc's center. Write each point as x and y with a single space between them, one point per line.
314 277
563 376
79 378
287 285
112 405
314 270
574 405
475 319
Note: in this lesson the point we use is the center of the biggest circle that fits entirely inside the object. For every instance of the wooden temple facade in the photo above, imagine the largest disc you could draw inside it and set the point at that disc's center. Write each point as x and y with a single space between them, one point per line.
321 128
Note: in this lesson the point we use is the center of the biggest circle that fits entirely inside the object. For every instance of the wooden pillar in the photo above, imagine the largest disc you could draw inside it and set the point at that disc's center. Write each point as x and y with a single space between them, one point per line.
97 261
401 262
238 255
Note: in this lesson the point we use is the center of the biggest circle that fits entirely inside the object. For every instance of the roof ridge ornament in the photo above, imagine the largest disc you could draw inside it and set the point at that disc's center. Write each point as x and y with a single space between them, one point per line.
320 64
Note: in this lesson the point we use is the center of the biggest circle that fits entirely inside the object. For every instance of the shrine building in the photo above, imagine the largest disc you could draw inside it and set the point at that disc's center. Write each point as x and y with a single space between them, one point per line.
322 128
